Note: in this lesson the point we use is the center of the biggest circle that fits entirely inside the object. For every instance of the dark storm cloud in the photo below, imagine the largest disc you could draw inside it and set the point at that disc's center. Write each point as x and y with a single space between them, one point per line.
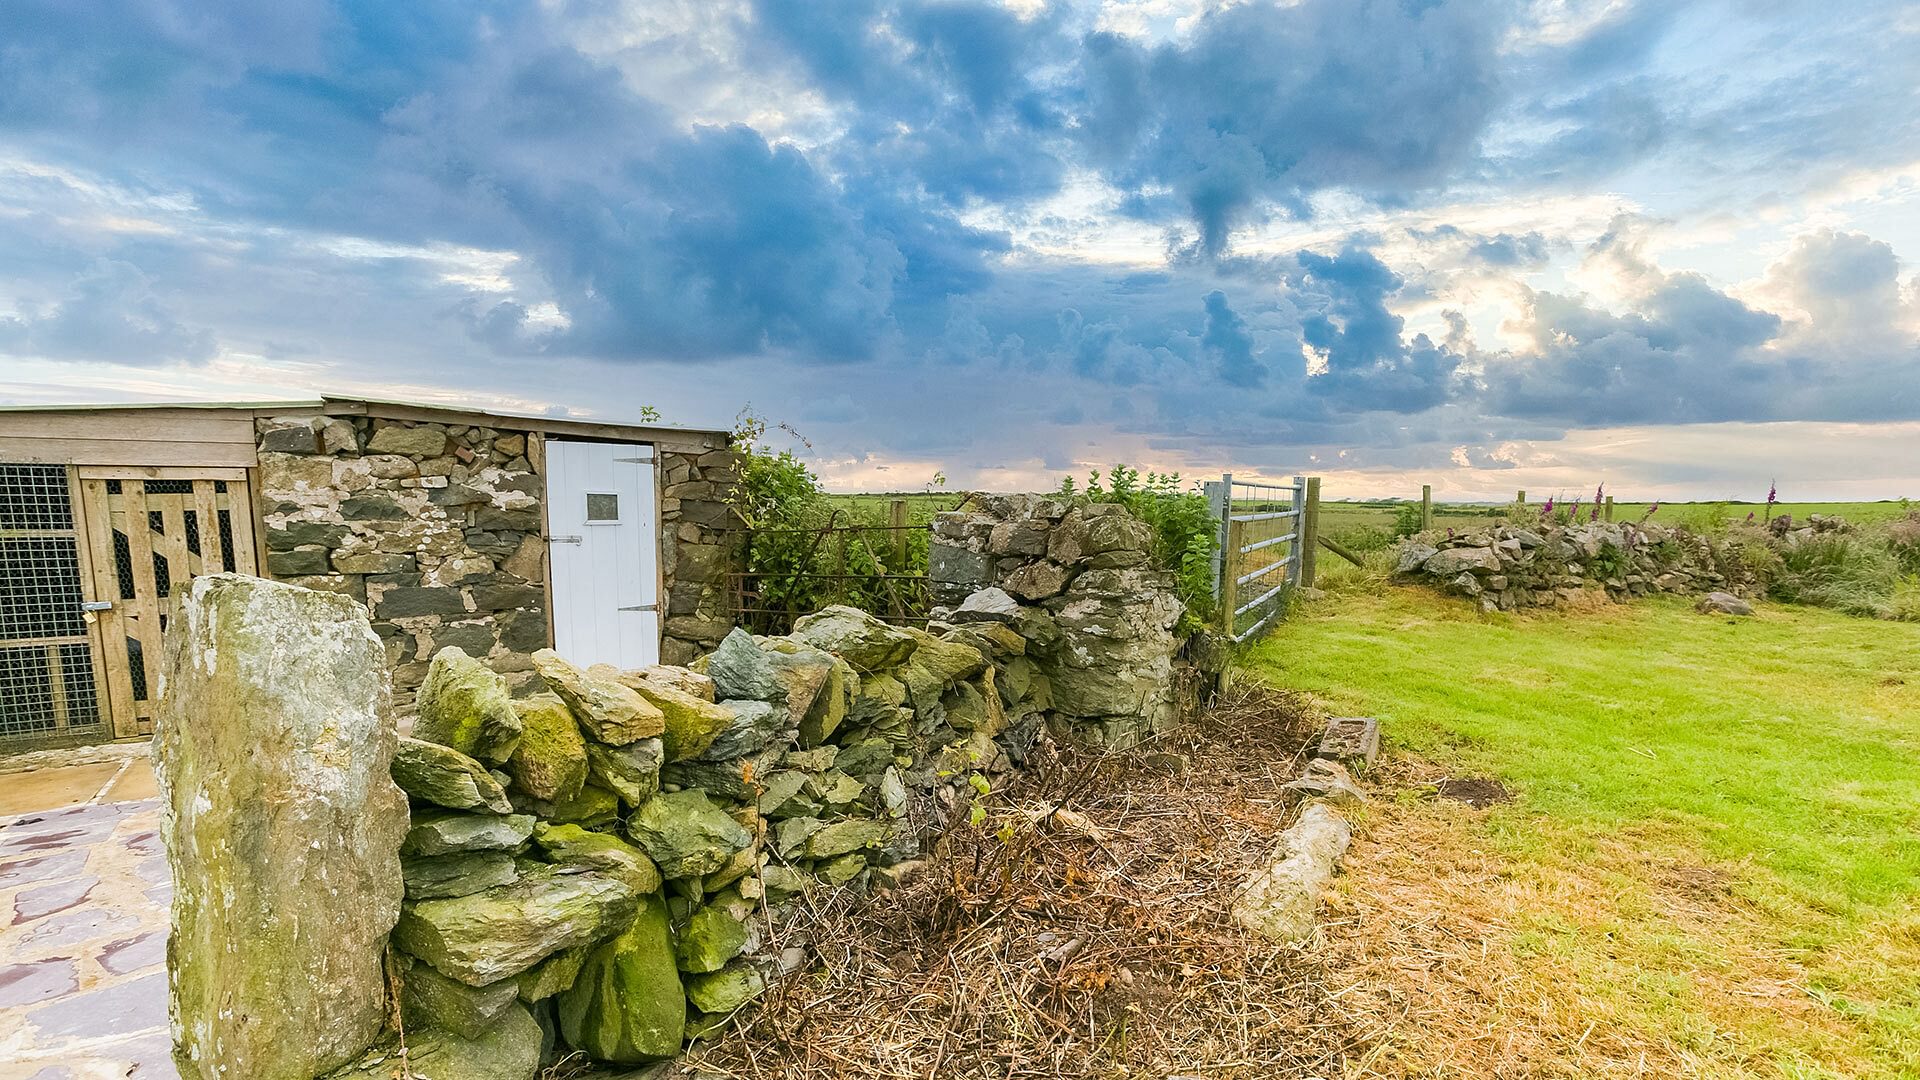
1269 104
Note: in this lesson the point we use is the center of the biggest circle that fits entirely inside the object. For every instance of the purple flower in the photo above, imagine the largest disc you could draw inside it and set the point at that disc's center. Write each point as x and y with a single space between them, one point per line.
1749 517
1773 496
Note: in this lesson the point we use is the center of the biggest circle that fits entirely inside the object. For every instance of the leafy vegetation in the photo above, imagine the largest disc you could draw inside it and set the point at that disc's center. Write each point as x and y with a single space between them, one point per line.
1185 532
807 548
1711 855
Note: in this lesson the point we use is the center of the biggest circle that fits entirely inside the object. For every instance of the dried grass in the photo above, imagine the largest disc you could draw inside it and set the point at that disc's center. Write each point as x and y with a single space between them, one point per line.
1080 931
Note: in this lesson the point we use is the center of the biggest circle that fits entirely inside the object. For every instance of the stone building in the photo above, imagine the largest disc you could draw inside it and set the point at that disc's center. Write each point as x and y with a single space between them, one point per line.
499 534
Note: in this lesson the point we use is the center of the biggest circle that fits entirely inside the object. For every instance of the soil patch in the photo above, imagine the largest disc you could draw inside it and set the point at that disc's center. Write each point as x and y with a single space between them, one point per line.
1476 791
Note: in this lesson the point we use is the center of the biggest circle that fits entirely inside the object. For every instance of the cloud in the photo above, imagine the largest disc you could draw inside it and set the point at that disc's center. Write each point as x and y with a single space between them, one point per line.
1228 344
109 314
1271 103
1368 362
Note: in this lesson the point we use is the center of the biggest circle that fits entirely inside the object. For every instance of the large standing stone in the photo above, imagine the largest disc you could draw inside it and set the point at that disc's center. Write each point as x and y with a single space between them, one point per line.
464 704
627 1006
272 746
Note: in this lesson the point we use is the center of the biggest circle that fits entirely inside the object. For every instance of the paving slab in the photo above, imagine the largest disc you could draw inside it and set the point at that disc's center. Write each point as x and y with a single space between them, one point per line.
83 931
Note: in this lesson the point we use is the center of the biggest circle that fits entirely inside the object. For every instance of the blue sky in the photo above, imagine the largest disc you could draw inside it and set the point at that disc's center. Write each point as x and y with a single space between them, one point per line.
1487 245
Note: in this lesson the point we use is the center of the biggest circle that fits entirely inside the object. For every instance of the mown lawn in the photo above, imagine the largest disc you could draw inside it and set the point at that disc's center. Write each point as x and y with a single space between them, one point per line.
1714 851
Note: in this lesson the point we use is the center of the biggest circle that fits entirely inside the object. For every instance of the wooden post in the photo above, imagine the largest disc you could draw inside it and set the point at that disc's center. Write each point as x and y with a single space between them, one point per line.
1309 525
1230 562
1609 510
897 518
1426 507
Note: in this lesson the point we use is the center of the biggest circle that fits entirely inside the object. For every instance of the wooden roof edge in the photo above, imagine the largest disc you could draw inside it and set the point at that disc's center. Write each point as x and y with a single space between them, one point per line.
332 405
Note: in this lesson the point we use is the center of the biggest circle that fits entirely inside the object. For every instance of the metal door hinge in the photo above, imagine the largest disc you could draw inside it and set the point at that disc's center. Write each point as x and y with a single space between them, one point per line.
566 540
642 607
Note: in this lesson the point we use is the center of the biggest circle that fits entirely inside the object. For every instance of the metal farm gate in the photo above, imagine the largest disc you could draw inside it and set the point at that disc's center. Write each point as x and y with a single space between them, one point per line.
89 558
1267 534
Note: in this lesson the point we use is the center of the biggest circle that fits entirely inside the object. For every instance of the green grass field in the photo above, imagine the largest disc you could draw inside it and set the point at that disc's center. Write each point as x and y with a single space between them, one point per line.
1781 753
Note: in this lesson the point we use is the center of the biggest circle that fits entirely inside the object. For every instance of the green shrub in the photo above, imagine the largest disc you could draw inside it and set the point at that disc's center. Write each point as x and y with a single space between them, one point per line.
1406 519
1711 519
1856 575
1185 532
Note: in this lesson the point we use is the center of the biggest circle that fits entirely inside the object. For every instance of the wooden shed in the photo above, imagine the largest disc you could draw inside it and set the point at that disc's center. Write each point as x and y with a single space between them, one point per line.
497 533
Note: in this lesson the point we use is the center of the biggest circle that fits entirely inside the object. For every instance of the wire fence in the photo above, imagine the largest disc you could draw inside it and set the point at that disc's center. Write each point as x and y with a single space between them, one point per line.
48 690
793 571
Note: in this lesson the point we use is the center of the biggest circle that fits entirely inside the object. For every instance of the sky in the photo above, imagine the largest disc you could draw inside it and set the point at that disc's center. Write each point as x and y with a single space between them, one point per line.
1487 245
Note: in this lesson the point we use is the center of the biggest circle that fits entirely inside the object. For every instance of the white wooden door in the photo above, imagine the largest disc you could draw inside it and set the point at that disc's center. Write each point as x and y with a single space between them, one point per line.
604 551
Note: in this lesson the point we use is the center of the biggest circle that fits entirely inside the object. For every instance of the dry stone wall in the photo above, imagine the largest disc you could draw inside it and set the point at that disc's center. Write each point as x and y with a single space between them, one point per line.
1078 576
598 867
1508 567
437 529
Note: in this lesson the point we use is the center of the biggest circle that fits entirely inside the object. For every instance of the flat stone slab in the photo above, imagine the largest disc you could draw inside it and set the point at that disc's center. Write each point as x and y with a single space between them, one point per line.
1351 740
83 983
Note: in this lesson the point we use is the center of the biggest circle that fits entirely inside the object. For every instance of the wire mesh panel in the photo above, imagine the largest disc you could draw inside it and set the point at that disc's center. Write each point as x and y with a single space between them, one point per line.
48 690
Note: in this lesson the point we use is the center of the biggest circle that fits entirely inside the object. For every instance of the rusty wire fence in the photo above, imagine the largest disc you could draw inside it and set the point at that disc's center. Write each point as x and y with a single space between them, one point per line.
847 558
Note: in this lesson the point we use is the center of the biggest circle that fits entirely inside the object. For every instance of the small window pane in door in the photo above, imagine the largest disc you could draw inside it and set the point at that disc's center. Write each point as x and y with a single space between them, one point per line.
603 507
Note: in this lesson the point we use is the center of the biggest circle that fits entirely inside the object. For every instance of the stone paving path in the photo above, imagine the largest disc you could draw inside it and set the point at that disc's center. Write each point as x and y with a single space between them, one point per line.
83 937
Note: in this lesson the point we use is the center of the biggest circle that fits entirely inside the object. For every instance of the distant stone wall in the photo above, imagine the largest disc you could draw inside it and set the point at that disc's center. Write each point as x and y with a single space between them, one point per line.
437 529
1507 566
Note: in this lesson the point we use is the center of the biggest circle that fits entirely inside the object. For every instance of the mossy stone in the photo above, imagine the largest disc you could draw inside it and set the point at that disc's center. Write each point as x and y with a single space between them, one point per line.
686 834
571 845
726 990
502 932
550 762
595 807
628 1005
441 832
607 711
439 774
461 873
431 1000
631 772
509 1049
714 934
691 722
465 704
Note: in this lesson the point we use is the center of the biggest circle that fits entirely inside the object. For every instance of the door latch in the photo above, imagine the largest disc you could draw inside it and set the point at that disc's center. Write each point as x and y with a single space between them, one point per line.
566 539
97 605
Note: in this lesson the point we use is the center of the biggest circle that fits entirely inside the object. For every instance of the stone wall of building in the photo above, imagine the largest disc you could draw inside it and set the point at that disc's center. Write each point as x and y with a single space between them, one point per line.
437 529
698 546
